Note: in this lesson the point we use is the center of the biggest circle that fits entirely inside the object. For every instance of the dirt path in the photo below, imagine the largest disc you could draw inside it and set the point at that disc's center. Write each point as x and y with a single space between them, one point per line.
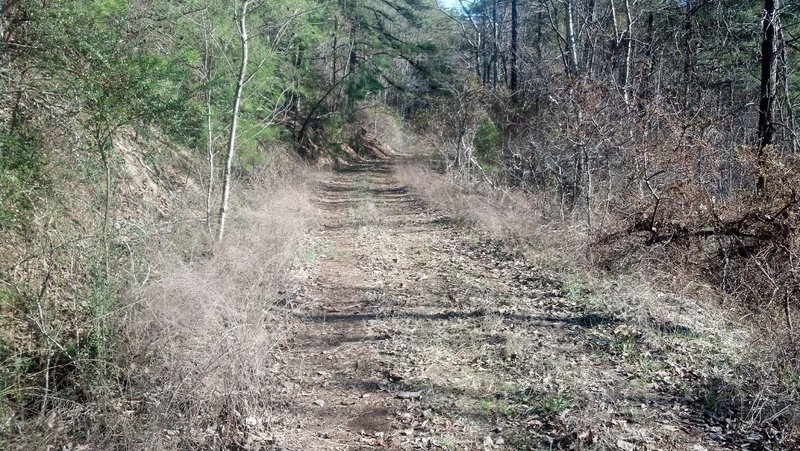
415 334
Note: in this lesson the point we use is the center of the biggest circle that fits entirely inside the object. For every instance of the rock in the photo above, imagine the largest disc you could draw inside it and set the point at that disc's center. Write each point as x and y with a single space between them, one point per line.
625 446
409 394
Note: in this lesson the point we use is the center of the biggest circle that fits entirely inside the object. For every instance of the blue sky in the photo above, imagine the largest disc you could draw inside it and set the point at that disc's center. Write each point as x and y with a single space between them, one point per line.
452 3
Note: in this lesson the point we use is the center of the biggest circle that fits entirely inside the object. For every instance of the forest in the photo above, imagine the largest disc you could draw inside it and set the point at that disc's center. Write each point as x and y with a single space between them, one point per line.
399 224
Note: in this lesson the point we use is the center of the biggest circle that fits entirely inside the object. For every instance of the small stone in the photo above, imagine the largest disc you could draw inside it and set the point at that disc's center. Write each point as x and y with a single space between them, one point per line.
625 446
409 394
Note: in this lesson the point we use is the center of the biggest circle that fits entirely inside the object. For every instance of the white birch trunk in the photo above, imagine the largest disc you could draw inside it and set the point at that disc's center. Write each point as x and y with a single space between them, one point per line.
571 41
226 178
626 76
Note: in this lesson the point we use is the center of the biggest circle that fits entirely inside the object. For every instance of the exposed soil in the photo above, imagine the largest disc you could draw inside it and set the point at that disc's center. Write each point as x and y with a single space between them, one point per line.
415 333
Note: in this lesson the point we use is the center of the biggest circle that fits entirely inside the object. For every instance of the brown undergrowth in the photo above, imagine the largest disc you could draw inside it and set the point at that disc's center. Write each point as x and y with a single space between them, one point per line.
176 351
517 220
207 329
721 360
205 332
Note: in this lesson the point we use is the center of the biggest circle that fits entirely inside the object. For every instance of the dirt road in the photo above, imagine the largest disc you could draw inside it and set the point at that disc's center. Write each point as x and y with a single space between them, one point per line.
414 333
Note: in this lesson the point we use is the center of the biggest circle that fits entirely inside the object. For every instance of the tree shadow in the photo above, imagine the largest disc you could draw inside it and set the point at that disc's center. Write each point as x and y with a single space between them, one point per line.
711 407
585 320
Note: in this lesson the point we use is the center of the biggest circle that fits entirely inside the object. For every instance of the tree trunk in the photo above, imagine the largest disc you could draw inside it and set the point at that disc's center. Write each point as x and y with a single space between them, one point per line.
478 50
769 85
495 33
514 37
590 44
105 147
334 49
211 169
784 62
540 35
689 57
486 59
210 154
226 178
571 41
626 75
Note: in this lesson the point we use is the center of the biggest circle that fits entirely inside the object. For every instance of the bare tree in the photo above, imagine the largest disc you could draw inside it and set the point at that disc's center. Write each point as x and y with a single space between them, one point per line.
237 102
210 151
571 39
769 84
281 31
514 45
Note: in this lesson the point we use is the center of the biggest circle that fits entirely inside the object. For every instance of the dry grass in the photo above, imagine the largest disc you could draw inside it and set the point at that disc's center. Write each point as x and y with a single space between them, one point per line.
204 334
653 294
177 350
527 224
521 221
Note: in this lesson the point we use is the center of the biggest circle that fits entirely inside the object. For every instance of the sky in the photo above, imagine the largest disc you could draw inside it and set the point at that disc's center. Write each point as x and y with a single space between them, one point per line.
452 3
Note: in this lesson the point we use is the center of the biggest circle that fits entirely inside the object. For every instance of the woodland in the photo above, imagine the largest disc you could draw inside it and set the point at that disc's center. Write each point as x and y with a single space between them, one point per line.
167 167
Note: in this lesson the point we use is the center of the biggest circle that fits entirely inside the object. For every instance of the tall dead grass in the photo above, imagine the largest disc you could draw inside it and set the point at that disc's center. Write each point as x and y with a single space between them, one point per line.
518 220
649 292
202 338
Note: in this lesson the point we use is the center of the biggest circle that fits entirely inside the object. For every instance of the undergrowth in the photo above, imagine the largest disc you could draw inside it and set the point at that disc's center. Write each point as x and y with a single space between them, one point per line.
743 375
203 337
176 349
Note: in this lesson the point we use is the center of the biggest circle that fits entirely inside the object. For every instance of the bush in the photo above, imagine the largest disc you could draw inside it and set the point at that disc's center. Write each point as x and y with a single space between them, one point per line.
487 142
21 173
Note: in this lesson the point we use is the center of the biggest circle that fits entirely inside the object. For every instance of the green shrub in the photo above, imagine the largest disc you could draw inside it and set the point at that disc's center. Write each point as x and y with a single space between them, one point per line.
487 142
21 174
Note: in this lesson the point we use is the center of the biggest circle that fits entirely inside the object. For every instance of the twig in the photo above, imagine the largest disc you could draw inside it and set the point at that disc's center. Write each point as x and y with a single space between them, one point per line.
789 324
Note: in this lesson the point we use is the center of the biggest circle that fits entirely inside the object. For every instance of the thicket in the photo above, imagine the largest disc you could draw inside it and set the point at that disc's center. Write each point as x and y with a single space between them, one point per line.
667 129
128 319
641 140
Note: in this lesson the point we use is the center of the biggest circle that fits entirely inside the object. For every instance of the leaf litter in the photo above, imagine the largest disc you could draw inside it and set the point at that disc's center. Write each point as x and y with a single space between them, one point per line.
413 332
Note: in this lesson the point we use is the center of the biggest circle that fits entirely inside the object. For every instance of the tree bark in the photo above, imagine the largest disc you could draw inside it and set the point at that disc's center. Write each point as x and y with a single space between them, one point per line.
478 61
769 85
689 60
226 178
514 38
210 154
787 91
105 146
626 75
495 36
211 169
571 41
